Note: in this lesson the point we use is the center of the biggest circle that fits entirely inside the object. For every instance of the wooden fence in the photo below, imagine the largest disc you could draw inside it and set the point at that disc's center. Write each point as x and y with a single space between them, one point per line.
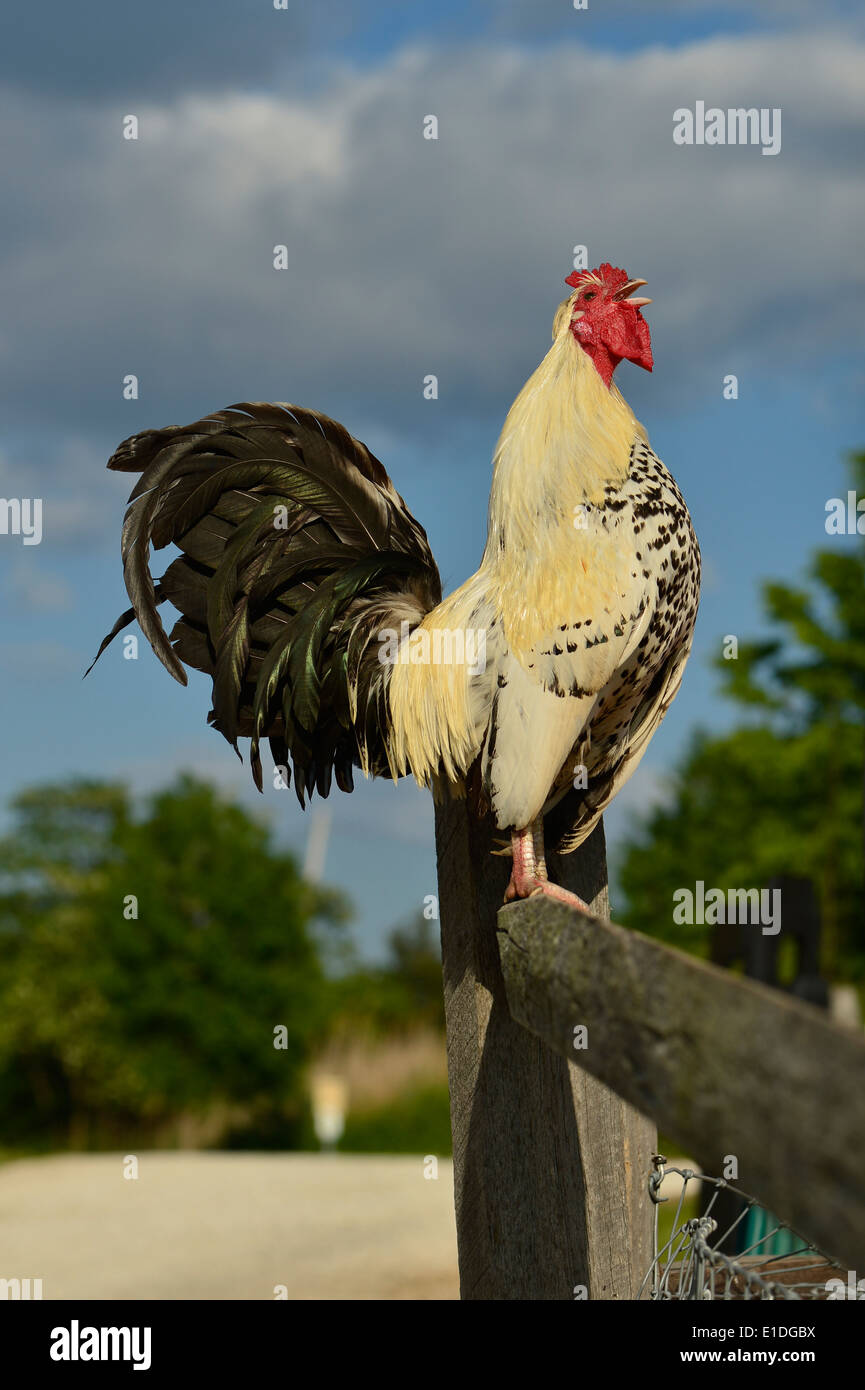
553 1143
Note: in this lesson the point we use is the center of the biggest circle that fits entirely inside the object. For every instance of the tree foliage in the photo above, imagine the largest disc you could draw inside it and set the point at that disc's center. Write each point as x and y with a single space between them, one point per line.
146 960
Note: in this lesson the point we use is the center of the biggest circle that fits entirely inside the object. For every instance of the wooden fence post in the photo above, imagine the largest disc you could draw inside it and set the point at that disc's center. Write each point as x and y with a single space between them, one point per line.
550 1167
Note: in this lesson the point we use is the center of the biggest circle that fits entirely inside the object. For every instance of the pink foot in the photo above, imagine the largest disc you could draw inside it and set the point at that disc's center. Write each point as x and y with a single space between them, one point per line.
529 874
561 895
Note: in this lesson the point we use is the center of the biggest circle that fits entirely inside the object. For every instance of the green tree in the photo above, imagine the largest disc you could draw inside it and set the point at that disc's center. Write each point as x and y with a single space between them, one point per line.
145 962
783 793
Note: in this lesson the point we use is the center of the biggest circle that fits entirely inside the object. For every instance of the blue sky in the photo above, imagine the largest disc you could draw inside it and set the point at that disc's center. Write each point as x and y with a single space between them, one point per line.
407 257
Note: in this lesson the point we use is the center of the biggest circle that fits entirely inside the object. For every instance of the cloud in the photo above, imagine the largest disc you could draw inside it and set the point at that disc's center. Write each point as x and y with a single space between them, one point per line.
80 501
542 16
409 256
33 589
123 49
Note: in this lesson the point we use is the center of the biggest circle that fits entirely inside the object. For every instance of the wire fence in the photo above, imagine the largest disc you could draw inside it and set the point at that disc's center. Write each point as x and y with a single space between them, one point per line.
765 1259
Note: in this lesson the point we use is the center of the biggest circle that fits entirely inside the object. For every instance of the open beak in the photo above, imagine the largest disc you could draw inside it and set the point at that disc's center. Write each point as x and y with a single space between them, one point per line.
627 291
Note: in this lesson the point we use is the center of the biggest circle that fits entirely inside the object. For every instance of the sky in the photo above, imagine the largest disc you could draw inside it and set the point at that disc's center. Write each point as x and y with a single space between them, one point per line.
303 127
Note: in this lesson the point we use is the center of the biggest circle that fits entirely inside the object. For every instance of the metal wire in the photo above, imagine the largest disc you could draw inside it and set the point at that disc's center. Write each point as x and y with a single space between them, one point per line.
692 1266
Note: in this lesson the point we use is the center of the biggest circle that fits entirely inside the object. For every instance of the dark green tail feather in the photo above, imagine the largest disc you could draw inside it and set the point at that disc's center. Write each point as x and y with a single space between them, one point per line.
271 612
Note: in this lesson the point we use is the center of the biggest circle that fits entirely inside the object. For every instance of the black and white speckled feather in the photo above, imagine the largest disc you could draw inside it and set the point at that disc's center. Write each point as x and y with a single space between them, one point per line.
582 704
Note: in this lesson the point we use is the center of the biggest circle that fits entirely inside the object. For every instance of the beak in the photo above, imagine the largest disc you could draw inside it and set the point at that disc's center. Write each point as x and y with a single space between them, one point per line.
627 290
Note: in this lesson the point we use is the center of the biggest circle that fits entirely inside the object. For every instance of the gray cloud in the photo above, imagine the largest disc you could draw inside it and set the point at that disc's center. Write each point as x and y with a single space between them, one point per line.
118 50
409 256
540 17
119 47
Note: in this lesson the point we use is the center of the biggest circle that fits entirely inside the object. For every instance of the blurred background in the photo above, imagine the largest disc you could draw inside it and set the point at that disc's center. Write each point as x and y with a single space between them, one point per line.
222 1063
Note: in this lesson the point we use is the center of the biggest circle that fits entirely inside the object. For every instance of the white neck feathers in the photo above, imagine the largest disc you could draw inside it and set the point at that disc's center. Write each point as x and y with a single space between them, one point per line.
566 436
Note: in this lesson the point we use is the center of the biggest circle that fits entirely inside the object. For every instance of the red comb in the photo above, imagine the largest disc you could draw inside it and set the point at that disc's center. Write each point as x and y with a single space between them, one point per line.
612 278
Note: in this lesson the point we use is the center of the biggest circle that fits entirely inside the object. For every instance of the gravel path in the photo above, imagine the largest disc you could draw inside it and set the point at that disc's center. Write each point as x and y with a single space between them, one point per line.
216 1225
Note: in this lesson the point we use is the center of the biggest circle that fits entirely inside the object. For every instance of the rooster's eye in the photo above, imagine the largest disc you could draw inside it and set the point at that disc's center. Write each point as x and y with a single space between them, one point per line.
590 294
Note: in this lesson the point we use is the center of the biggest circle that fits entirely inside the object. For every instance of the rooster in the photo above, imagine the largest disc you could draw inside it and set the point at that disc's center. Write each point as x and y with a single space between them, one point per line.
308 592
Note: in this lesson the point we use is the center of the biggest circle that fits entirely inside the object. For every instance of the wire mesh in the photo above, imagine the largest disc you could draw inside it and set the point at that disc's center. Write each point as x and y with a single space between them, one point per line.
777 1262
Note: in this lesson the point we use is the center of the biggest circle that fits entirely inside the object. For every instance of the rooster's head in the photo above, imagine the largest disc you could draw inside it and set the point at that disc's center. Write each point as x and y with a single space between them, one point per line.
607 321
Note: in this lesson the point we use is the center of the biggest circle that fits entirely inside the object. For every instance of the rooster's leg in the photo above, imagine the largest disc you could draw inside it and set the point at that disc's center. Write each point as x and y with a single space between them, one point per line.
529 874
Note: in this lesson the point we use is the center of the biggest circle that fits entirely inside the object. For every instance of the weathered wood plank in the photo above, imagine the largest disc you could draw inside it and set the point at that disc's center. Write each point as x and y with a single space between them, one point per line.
722 1064
549 1166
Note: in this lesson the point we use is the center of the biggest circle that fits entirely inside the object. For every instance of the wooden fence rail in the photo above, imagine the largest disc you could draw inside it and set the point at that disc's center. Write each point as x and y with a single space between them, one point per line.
723 1065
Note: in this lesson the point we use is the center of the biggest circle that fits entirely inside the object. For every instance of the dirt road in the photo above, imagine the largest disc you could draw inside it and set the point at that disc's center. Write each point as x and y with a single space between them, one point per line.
220 1226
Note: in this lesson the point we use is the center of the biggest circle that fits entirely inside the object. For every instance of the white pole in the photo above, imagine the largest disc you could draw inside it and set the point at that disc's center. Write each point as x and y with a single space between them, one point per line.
316 844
